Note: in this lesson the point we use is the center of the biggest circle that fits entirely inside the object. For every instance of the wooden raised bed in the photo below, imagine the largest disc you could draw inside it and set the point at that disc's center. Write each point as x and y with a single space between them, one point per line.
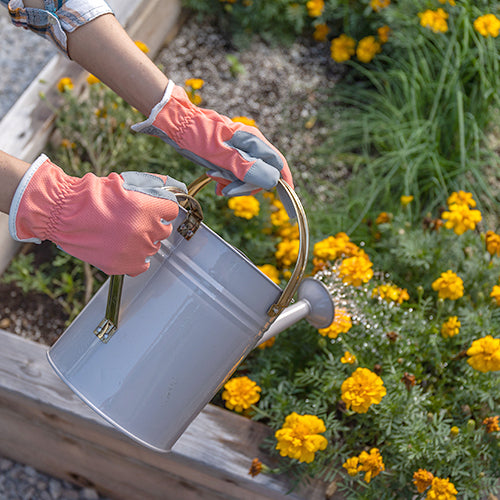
45 425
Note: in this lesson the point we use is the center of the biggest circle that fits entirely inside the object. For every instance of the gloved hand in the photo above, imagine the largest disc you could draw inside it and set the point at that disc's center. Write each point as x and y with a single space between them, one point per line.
114 223
237 156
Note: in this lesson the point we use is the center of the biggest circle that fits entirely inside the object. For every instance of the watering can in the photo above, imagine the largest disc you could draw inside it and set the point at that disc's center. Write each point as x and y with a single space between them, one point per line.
172 336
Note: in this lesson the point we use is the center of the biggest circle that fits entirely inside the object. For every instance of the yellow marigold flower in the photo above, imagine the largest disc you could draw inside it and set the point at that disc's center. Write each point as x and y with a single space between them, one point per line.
495 294
492 241
356 270
101 112
351 465
383 218
378 5
333 247
289 231
461 198
341 324
92 80
268 343
422 479
315 7
240 393
461 218
487 25
299 437
246 207
484 354
367 48
406 200
391 293
362 389
342 48
279 217
449 286
383 33
65 84
451 2
271 272
441 489
194 83
196 99
435 20
66 143
371 463
491 424
348 358
245 120
450 327
287 252
142 46
321 32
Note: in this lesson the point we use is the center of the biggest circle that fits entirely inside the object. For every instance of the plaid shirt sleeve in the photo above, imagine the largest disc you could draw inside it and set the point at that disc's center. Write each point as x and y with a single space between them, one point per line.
57 18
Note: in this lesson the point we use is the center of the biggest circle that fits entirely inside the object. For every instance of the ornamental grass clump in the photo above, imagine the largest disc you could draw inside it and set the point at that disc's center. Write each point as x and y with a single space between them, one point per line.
400 396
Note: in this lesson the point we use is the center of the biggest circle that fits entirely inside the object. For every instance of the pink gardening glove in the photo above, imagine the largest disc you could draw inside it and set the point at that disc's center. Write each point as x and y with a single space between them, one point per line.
114 223
237 156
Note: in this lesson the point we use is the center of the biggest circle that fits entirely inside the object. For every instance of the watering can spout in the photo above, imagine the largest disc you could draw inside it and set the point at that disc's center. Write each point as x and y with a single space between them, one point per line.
314 303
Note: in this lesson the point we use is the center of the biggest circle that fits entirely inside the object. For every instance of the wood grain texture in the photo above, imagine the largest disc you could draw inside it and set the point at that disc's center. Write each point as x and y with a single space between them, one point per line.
43 424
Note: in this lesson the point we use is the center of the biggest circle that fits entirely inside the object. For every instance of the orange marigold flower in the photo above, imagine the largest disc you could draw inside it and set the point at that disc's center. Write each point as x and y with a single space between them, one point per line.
435 20
484 354
371 463
315 7
450 327
351 465
362 389
461 198
492 241
491 424
383 35
240 393
300 438
356 270
342 48
65 84
271 272
495 294
341 324
378 5
487 25
441 489
348 358
449 286
321 32
142 46
461 218
246 207
368 47
92 80
245 120
422 479
255 468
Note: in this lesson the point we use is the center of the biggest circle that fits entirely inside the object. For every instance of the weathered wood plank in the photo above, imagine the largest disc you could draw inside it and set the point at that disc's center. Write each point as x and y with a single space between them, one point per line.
28 124
42 423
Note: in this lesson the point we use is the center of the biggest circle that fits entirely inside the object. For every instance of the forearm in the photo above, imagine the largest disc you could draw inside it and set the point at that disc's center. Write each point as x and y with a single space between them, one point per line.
104 49
11 173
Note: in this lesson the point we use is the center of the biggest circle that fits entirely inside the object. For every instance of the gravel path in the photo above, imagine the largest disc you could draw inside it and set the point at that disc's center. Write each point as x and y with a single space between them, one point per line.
279 89
22 56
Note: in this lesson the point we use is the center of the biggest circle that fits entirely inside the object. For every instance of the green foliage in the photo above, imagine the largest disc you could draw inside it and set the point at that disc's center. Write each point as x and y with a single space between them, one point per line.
418 115
430 386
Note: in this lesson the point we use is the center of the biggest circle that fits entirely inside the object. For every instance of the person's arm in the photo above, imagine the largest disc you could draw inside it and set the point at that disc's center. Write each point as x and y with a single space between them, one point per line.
12 171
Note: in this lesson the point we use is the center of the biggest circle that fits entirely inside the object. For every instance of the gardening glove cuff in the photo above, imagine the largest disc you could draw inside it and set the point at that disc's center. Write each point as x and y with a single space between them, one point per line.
115 223
237 156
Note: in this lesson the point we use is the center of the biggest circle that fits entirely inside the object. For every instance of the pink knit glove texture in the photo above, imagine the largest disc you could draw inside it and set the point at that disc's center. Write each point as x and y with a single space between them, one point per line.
237 156
114 223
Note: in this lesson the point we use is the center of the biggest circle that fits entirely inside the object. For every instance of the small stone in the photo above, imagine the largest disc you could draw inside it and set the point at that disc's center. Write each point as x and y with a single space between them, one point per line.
89 494
5 323
55 489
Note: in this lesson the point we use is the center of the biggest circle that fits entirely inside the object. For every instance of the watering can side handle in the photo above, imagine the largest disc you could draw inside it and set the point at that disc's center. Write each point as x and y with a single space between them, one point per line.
293 283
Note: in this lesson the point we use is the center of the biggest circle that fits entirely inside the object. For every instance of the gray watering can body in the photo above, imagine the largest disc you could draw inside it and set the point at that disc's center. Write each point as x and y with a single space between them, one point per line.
180 330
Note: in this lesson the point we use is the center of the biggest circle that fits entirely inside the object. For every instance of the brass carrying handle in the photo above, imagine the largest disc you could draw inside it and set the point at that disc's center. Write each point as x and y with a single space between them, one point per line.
108 326
293 283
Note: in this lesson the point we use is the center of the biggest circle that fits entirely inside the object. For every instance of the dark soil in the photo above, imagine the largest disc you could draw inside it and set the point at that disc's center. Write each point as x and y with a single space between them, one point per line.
34 315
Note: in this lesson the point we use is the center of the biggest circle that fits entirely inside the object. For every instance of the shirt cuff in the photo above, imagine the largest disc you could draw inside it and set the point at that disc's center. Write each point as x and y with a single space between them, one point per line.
57 18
